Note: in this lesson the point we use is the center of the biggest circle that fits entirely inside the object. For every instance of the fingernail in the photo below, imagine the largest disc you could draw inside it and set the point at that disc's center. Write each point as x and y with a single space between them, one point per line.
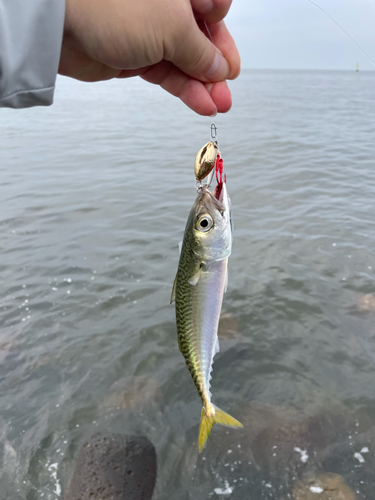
219 69
213 116
205 6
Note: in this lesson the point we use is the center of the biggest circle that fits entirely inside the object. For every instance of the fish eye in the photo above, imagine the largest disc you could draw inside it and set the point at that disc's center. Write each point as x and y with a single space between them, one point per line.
204 223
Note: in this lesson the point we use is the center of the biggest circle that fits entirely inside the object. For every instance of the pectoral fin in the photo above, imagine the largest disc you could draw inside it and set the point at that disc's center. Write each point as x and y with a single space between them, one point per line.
195 278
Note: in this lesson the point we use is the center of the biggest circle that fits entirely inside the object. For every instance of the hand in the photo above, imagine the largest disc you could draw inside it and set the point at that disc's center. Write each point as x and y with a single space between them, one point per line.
162 41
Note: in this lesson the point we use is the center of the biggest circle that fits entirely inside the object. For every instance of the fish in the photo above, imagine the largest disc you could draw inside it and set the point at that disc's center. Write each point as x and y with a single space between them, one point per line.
198 290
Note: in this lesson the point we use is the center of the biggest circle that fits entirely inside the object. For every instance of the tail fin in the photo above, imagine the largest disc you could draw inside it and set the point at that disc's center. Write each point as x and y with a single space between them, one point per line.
217 417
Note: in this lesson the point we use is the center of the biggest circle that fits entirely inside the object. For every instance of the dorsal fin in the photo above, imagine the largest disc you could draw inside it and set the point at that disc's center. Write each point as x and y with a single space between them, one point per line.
173 294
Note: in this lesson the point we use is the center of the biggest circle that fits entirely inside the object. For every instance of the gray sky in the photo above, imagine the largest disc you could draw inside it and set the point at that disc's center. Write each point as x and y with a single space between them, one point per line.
294 34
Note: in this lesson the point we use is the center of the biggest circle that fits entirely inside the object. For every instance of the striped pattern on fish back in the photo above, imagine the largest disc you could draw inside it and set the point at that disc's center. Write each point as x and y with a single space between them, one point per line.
187 338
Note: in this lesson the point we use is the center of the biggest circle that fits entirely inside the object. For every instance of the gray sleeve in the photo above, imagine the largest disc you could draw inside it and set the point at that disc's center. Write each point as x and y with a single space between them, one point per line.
30 44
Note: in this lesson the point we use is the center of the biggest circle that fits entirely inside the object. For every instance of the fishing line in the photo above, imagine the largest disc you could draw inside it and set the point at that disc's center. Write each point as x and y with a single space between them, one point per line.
208 31
346 33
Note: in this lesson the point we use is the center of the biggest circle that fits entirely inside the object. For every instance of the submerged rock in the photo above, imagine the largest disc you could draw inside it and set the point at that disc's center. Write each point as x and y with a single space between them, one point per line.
114 467
279 445
141 391
366 303
297 442
322 487
282 442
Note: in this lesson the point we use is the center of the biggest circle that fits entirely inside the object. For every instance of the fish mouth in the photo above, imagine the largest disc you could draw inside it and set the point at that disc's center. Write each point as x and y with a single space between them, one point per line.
218 192
213 199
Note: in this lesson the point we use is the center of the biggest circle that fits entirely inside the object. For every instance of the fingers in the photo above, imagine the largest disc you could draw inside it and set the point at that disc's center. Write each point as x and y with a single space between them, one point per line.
192 52
171 39
190 91
223 40
221 96
205 99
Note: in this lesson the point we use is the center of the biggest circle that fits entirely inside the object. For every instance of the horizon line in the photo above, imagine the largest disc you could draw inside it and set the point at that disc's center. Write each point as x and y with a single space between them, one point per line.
309 69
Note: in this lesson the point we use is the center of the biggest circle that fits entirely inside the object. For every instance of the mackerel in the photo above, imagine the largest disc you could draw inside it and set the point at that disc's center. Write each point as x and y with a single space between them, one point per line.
198 290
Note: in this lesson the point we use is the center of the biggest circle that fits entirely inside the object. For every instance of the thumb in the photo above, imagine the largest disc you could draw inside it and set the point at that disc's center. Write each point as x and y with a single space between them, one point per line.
195 55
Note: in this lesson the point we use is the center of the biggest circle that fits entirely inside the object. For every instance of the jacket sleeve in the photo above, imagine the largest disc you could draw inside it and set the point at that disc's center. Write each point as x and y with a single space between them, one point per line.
30 44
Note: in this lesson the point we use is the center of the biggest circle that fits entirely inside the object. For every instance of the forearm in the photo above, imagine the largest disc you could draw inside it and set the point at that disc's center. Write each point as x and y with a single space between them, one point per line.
30 45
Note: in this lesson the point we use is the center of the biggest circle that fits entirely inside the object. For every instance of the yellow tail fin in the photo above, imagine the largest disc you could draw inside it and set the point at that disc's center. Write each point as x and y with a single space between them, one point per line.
217 417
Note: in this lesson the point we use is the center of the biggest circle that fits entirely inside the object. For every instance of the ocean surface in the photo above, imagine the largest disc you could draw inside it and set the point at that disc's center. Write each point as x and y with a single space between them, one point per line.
94 196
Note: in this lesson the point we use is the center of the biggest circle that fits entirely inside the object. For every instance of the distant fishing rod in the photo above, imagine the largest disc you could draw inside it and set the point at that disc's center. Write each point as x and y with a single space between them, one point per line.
341 28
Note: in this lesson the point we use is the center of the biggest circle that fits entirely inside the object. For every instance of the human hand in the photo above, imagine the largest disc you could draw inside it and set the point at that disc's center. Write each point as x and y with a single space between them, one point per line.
162 41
